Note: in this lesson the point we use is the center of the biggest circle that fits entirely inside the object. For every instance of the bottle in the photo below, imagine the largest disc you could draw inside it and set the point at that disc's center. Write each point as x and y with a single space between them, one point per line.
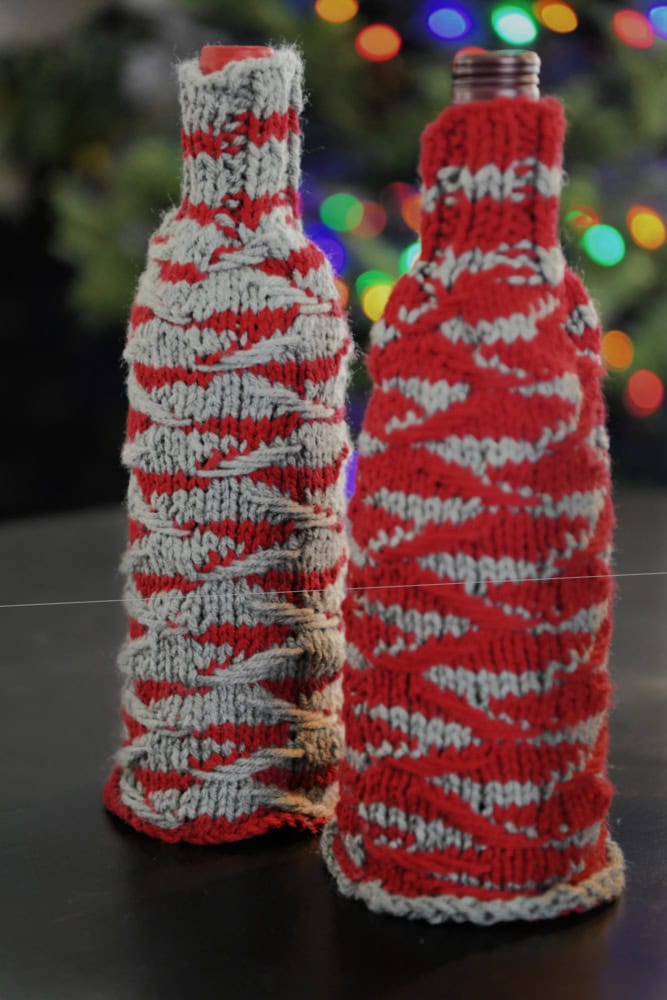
237 355
476 691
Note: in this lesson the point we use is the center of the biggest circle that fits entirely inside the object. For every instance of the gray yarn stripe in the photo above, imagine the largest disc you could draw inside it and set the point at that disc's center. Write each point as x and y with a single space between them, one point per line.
156 343
477 453
435 835
521 180
425 510
545 264
428 732
602 887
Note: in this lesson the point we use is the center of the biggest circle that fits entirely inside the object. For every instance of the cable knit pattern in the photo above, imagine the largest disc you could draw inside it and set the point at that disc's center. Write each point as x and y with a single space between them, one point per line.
476 690
237 353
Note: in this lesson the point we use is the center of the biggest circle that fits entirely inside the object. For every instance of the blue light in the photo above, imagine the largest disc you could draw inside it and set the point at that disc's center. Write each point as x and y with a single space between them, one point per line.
658 18
351 474
450 23
328 243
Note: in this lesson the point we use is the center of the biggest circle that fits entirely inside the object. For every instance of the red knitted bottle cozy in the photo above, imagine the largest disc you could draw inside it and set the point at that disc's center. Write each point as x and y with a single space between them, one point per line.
237 353
476 689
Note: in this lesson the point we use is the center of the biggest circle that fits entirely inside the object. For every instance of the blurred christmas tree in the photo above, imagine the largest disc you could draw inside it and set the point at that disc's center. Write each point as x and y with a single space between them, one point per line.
89 128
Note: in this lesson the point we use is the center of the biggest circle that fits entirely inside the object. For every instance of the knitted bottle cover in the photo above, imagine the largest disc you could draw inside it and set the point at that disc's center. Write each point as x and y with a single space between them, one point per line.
237 353
476 691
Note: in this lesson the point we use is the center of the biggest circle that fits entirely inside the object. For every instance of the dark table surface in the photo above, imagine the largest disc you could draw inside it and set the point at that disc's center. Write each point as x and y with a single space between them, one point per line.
90 909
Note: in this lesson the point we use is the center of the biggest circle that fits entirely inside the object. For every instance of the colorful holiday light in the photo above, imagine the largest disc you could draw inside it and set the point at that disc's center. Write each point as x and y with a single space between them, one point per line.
658 18
557 17
367 279
408 257
343 291
580 217
374 299
646 227
617 350
450 23
633 28
411 210
378 42
644 393
513 24
336 11
351 473
373 220
341 212
604 244
329 244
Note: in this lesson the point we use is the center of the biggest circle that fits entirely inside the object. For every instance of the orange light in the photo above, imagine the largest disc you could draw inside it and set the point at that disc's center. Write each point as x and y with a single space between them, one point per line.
343 292
378 42
556 16
336 11
469 49
617 349
646 227
580 217
633 28
411 210
644 393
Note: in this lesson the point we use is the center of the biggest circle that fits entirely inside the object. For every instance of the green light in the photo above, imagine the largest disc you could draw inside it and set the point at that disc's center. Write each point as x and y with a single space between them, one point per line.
513 24
604 245
341 211
369 278
408 257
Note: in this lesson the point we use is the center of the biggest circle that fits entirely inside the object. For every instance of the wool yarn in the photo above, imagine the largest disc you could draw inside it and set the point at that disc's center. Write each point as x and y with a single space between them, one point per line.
478 615
237 355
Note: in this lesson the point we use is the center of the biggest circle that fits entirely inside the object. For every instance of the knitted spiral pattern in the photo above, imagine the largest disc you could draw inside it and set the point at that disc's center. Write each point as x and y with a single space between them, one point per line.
237 353
476 691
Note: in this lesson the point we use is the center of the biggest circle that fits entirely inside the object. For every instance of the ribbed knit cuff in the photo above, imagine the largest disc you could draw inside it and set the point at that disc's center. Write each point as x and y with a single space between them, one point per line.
491 173
240 132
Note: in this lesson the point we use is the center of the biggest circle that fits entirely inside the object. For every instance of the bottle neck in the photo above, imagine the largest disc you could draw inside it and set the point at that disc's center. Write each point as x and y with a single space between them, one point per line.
241 139
491 178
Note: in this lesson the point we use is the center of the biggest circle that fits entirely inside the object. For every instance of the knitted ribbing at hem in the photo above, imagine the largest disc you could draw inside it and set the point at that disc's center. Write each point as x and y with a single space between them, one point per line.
237 354
604 886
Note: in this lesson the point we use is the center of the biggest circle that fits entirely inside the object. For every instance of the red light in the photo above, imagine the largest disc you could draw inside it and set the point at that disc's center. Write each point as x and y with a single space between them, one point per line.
644 393
633 28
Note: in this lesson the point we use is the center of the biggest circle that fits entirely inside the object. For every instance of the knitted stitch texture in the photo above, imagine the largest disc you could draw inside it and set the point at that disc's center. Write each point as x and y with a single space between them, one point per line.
238 353
476 691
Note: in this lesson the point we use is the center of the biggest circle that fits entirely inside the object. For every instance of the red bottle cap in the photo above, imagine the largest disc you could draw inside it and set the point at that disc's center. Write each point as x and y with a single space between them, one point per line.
214 57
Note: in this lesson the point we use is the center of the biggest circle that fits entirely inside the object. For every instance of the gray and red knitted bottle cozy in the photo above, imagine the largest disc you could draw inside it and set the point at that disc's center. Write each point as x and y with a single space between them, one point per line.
476 690
237 353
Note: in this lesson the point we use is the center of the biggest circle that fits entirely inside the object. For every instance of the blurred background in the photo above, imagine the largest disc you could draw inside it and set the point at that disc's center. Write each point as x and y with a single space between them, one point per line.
90 159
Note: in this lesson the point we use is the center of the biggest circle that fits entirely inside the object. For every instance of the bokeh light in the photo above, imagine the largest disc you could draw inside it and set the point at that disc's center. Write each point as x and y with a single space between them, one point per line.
408 257
580 217
450 23
513 24
617 350
374 299
329 244
633 28
644 393
373 220
343 291
411 211
658 18
378 42
646 227
369 278
351 473
336 11
341 212
557 17
604 244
